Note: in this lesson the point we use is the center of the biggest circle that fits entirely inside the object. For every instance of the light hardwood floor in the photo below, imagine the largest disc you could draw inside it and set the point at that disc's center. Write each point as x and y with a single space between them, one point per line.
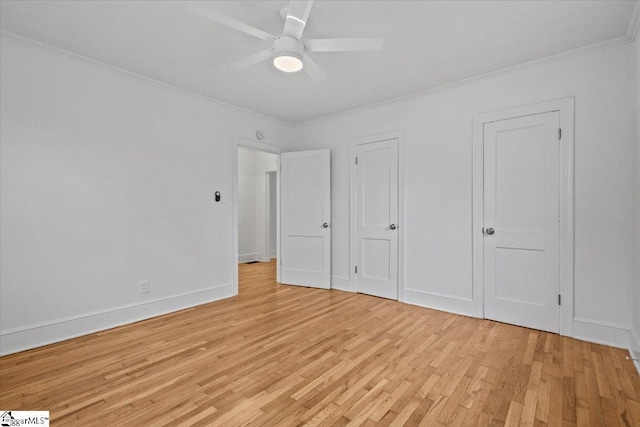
285 355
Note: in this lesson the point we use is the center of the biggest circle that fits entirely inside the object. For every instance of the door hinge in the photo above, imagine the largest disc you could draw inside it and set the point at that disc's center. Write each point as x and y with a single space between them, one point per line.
559 299
356 160
356 269
280 260
559 133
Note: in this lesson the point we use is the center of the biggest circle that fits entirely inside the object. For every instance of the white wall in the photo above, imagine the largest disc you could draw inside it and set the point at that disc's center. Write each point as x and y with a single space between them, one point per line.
439 175
252 193
636 207
108 180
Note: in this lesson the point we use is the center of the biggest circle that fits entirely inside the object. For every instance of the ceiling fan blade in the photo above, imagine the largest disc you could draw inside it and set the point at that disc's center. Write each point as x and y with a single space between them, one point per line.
254 59
343 45
297 15
228 21
312 69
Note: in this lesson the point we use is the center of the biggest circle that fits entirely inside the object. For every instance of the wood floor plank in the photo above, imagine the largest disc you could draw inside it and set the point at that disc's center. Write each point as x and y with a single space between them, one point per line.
279 355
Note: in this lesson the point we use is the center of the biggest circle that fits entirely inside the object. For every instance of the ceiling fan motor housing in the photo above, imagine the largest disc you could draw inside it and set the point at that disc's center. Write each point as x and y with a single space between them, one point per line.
285 45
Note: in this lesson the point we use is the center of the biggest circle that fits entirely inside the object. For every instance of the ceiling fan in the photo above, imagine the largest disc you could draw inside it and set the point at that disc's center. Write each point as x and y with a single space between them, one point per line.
289 51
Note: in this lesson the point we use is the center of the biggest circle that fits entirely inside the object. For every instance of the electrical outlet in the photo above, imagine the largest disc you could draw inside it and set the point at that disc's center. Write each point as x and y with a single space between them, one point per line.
144 287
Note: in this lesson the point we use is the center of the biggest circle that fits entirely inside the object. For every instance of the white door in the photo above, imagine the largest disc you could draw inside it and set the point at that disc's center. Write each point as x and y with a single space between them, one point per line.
522 221
305 215
377 218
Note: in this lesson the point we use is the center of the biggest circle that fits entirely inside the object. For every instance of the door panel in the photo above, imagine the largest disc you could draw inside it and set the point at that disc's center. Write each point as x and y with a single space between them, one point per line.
376 254
521 205
519 274
376 211
305 206
376 170
305 187
305 253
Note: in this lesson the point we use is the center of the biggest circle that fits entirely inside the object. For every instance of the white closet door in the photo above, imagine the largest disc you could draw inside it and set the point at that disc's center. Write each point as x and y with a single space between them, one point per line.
377 218
522 221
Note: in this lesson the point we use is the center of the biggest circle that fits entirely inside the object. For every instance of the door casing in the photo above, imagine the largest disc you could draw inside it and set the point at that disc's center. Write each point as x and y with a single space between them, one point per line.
267 148
400 136
565 107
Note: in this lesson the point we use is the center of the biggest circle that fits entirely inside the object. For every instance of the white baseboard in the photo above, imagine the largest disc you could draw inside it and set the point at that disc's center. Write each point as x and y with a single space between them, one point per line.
273 254
634 349
635 355
341 284
466 307
601 333
40 334
583 329
247 258
635 341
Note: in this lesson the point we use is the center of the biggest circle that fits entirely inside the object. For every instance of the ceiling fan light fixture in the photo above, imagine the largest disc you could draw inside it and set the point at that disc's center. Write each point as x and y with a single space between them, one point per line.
288 62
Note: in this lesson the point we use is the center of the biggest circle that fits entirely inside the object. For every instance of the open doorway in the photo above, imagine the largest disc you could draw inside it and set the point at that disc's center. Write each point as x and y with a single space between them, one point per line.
256 213
303 215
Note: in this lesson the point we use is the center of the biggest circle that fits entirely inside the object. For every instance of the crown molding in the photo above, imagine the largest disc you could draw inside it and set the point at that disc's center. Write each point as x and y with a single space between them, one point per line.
62 52
627 38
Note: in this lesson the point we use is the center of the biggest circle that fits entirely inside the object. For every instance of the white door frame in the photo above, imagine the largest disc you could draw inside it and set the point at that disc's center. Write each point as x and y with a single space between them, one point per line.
383 136
565 107
259 146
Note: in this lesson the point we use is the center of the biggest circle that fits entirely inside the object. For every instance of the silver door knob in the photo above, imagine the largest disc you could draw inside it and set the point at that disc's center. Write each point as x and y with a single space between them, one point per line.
325 225
490 231
392 226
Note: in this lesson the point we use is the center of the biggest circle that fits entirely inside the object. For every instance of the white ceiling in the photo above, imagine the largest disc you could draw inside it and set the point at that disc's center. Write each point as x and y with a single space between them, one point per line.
426 44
